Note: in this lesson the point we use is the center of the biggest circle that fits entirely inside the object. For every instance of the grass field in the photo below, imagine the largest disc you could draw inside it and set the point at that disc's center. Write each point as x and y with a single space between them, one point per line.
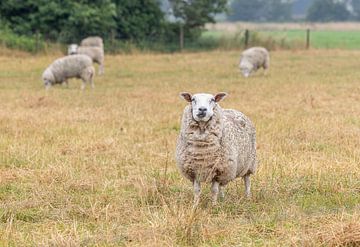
289 35
319 39
96 168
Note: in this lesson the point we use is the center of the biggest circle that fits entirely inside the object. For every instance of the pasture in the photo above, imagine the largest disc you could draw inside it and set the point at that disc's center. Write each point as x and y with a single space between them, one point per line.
287 35
96 168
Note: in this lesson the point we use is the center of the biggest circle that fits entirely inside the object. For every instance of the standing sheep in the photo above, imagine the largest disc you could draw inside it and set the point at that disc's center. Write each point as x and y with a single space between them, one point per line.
215 145
252 59
95 53
92 41
62 69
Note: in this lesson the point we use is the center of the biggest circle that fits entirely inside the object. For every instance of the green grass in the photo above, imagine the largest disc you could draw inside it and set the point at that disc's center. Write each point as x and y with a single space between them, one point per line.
319 39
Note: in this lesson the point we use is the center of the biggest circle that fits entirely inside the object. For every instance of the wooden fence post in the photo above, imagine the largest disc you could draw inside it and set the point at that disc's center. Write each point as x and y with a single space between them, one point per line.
246 38
307 38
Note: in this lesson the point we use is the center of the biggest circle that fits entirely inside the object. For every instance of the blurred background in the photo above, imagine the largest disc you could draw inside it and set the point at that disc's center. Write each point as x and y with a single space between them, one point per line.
172 25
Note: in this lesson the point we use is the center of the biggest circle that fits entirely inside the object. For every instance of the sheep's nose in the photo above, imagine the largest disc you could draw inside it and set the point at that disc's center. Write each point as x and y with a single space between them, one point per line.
202 109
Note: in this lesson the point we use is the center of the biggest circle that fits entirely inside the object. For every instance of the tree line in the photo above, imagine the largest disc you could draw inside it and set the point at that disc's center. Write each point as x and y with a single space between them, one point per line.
281 10
135 20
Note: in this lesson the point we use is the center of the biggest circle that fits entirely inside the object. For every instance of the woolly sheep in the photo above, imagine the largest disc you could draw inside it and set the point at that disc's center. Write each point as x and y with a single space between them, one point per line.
62 69
95 53
252 59
92 41
215 145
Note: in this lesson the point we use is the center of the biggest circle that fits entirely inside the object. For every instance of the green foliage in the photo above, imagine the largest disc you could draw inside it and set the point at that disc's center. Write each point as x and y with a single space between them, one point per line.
138 19
59 20
197 13
89 18
260 10
25 43
328 10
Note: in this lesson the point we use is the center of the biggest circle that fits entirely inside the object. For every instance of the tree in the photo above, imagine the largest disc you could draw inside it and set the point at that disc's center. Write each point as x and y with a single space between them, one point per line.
59 20
328 10
196 13
261 10
139 19
355 4
245 10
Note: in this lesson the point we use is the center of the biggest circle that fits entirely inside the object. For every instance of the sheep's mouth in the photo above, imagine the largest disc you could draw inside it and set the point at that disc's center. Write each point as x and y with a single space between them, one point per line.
201 115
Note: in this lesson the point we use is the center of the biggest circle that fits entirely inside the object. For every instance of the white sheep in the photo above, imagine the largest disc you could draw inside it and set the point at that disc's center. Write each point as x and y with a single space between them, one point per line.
95 53
92 41
254 58
62 69
215 145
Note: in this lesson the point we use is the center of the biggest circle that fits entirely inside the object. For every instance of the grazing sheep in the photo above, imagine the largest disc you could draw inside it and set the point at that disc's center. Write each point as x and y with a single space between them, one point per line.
96 54
92 41
215 145
62 69
252 59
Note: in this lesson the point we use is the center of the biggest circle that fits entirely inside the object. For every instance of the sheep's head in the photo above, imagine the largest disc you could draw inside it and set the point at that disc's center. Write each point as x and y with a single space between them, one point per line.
203 104
48 78
246 67
72 49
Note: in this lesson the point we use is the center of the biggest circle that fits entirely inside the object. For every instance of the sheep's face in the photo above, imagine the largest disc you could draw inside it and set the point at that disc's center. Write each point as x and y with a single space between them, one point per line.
246 68
203 104
72 49
48 78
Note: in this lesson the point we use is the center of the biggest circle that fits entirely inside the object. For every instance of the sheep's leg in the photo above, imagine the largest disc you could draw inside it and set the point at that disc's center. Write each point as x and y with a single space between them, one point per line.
197 192
92 81
83 84
66 82
221 192
214 192
247 185
266 66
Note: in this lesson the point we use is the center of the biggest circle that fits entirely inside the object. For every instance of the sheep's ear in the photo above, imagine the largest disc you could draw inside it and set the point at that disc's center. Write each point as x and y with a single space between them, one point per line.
186 96
220 96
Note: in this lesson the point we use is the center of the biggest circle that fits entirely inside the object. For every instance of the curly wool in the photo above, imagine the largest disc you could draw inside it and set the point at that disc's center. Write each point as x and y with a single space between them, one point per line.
96 53
79 66
255 58
220 150
92 41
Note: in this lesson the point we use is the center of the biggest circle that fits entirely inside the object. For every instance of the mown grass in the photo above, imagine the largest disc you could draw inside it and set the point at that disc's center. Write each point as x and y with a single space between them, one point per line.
96 168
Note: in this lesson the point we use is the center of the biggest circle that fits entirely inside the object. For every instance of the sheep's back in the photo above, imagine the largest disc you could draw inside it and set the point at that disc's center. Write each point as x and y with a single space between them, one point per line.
239 140
256 56
70 66
92 41
96 53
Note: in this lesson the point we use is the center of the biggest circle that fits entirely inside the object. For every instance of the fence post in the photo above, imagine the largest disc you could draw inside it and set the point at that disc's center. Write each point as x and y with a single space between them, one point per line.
307 38
181 37
246 38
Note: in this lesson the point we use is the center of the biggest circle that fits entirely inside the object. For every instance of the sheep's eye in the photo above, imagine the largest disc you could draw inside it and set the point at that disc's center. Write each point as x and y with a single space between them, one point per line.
192 100
212 100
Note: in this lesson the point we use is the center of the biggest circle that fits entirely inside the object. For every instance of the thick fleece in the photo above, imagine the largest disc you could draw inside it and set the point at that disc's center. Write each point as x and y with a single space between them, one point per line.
254 58
75 66
219 150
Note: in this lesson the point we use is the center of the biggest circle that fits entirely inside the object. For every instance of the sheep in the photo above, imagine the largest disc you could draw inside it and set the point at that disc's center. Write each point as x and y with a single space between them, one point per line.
92 41
215 145
62 69
95 53
252 59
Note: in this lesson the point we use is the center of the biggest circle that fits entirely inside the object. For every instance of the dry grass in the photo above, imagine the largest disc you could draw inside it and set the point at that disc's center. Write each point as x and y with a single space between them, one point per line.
96 168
